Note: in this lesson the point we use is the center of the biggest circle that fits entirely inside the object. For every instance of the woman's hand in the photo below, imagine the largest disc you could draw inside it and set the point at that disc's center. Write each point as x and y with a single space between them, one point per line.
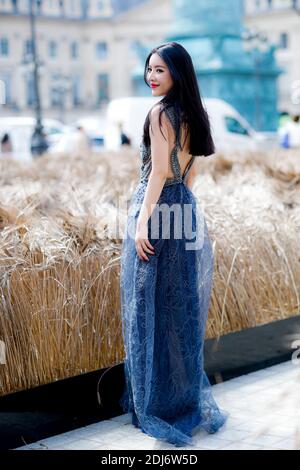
142 243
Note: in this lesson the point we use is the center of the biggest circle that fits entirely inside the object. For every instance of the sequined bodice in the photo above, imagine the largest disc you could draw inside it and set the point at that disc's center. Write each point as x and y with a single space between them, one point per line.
145 153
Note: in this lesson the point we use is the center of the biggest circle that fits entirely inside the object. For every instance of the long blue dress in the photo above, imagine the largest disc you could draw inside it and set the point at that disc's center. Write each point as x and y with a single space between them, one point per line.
164 306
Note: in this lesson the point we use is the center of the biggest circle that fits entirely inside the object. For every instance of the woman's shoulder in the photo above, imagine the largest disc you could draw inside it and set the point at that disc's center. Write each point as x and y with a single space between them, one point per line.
161 106
163 113
157 109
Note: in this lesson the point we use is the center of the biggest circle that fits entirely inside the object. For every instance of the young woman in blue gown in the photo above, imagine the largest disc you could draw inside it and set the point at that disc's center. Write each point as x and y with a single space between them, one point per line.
167 262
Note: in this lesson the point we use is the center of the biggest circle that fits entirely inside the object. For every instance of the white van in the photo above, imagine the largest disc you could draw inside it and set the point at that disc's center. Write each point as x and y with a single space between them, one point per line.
20 130
229 129
131 112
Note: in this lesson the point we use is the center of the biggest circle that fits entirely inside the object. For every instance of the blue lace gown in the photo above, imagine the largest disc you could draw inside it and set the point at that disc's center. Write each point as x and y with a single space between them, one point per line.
164 306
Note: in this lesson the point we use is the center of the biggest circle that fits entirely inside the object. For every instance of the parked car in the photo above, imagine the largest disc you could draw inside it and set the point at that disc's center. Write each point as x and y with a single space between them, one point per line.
131 113
94 129
20 130
229 129
232 131
94 126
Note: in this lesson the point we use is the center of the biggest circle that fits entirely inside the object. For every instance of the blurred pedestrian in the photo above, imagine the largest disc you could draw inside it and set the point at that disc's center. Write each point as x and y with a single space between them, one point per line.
81 144
290 133
6 144
125 140
39 142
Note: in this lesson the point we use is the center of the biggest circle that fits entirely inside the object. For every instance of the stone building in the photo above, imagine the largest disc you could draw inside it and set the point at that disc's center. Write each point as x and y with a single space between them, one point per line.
89 49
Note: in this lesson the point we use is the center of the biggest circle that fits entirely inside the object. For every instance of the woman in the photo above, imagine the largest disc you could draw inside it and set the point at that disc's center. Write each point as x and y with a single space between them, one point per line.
167 262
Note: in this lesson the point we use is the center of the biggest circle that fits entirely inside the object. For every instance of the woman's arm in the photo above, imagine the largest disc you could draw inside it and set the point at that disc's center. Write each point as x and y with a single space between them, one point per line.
157 178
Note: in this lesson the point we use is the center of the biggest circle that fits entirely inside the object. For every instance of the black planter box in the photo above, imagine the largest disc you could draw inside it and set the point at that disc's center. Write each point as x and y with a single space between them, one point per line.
30 415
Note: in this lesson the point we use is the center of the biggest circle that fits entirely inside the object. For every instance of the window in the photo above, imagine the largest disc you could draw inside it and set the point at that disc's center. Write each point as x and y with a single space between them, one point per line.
270 2
2 92
234 126
60 85
30 94
28 47
52 49
76 90
134 46
74 50
102 88
284 40
101 50
55 92
5 79
53 130
39 5
15 5
4 47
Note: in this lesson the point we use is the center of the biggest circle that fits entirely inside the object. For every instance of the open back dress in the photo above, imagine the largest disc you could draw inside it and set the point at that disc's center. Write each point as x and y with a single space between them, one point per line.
164 307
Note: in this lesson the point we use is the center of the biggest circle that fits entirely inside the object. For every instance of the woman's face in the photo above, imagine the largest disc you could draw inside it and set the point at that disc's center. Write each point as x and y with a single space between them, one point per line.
158 74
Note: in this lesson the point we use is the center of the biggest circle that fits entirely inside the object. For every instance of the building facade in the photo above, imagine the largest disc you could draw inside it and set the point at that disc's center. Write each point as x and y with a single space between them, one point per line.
279 21
87 50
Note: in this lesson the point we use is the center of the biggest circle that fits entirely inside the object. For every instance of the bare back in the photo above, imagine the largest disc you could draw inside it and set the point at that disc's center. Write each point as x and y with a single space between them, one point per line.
184 156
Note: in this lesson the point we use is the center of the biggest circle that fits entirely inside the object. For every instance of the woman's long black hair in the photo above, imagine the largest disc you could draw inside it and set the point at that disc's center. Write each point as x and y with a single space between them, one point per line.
185 97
